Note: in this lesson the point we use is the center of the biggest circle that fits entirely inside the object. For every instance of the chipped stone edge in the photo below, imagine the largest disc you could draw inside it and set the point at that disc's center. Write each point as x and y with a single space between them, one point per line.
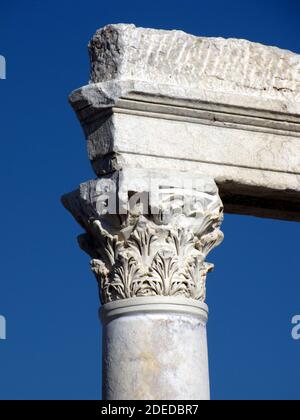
103 95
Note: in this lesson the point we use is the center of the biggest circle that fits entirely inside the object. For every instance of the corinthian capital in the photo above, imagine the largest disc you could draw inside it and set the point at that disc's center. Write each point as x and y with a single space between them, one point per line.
149 233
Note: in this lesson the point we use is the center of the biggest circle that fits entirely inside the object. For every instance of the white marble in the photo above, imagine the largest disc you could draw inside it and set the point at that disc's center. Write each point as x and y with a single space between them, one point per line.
175 58
149 258
169 100
155 349
184 115
157 249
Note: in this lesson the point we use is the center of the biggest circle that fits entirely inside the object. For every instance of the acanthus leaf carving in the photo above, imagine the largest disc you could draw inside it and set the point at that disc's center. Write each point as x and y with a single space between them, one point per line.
163 254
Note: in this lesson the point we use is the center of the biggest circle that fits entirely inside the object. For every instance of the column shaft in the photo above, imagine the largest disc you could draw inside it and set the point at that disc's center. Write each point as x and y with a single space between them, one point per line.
155 349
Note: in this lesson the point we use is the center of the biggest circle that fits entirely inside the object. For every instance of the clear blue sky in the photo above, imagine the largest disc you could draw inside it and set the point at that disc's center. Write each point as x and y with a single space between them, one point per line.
47 293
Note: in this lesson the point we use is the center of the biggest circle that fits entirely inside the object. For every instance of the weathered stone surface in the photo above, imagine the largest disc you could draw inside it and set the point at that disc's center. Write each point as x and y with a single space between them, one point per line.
168 100
155 349
124 52
149 232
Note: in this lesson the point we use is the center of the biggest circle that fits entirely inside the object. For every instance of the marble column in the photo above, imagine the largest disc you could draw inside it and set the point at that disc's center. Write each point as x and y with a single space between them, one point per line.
148 234
161 109
155 348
